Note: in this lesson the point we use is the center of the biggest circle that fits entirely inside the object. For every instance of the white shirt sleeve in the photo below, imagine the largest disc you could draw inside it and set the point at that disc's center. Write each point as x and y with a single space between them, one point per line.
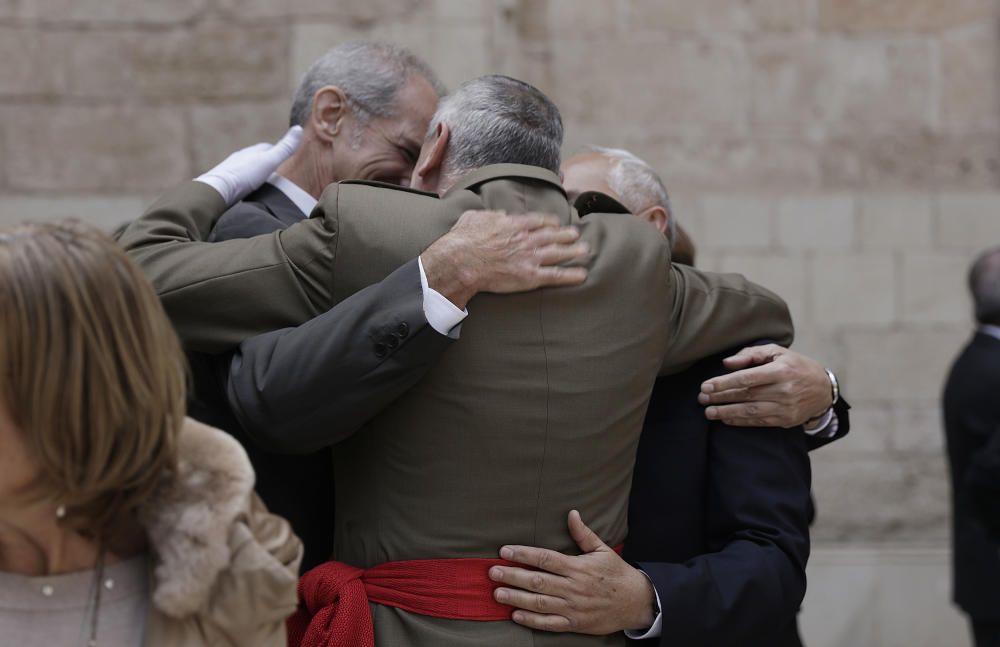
656 628
442 315
825 427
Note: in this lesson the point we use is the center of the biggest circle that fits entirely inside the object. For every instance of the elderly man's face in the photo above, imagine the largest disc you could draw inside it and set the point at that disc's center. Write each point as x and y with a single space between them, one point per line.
386 148
587 172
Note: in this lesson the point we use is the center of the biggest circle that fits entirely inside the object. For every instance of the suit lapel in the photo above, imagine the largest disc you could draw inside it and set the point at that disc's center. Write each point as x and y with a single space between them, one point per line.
277 204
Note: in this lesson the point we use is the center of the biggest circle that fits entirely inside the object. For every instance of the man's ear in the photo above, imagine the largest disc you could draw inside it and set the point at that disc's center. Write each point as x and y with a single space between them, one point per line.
329 110
657 216
430 164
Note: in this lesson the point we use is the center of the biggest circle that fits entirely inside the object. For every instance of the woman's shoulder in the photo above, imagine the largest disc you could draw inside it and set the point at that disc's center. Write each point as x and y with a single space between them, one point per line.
220 557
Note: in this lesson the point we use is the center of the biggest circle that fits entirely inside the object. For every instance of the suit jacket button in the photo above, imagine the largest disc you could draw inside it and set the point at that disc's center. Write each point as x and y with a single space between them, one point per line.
403 329
380 350
392 342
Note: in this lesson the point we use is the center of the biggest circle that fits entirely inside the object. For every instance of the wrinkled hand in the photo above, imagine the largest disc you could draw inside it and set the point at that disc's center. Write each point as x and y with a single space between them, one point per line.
782 389
596 593
245 170
491 251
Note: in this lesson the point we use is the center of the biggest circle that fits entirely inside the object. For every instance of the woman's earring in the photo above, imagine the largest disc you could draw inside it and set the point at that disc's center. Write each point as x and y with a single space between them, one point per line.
61 512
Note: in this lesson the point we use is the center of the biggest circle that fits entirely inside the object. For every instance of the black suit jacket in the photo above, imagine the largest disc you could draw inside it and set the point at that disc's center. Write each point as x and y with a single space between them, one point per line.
983 483
719 520
269 392
265 210
971 421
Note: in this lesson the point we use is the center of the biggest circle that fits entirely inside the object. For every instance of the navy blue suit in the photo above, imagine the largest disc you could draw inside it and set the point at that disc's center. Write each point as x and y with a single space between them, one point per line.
719 519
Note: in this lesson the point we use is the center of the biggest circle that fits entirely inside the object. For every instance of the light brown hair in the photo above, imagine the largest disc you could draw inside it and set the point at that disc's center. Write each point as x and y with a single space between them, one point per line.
90 370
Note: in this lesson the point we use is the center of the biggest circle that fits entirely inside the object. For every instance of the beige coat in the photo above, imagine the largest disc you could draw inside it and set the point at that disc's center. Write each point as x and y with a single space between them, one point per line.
224 570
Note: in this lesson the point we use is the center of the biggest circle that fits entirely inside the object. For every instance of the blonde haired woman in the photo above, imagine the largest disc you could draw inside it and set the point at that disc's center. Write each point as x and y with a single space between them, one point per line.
121 522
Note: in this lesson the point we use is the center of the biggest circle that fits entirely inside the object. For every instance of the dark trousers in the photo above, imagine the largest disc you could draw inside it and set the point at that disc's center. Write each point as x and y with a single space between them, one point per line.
986 634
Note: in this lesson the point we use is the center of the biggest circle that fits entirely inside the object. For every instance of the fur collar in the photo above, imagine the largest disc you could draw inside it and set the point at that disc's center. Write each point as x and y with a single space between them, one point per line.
188 520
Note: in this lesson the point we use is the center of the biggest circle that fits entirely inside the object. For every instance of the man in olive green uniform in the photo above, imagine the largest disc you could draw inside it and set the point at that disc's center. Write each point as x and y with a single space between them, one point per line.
540 405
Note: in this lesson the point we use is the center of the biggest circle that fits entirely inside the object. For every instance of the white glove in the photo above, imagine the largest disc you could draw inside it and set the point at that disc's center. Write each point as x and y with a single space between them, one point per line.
245 170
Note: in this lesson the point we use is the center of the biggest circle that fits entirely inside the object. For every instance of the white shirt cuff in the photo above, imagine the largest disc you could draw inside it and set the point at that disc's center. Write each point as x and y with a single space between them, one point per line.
656 628
824 427
442 315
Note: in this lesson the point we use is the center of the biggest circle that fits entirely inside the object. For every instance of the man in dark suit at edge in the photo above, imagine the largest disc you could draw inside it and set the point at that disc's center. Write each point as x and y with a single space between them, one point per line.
972 431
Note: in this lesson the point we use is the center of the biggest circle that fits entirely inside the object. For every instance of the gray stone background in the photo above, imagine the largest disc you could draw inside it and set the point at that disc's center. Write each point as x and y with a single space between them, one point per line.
845 153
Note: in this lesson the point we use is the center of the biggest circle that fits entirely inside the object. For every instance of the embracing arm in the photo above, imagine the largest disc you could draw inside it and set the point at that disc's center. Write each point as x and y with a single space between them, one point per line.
772 386
299 389
218 294
213 292
714 312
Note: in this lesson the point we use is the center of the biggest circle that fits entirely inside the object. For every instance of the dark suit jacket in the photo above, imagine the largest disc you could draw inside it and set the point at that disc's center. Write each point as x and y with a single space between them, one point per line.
719 520
983 483
971 420
251 392
265 210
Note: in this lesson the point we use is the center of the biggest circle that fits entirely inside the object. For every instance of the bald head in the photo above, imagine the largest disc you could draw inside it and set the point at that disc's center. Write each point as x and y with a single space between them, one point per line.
589 171
632 182
984 283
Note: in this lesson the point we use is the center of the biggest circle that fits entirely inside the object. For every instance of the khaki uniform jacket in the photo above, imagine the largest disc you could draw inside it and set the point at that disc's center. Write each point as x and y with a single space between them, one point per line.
535 411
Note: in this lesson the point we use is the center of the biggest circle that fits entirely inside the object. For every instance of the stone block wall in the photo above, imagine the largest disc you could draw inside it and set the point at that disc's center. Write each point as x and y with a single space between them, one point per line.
844 152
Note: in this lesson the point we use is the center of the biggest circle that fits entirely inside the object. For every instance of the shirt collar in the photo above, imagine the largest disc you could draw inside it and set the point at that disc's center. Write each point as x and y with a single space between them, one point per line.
988 329
305 202
502 171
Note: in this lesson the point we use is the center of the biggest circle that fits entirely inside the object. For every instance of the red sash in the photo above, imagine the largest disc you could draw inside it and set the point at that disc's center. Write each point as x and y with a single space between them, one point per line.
333 597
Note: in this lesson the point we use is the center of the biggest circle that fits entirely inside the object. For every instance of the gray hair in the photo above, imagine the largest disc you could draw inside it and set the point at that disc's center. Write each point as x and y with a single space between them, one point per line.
637 184
371 74
984 282
495 119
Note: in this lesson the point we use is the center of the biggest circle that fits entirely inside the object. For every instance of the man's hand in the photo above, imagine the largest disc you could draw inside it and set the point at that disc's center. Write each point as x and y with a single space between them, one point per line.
245 170
491 251
596 593
783 389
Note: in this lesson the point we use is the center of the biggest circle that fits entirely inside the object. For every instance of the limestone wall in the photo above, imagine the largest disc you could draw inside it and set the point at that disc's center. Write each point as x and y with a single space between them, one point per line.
844 152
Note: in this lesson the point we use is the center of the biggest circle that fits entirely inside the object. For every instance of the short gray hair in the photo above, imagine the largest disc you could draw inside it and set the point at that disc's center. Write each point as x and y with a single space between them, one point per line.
495 119
638 185
371 74
984 282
